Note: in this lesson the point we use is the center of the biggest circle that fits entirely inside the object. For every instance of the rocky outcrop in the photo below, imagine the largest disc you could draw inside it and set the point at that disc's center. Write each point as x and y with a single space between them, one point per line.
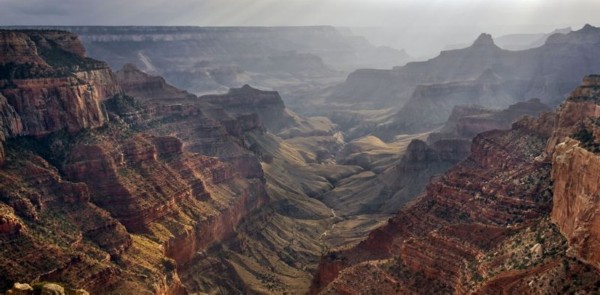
127 207
9 226
52 104
20 289
210 60
575 202
575 163
247 100
185 201
464 218
50 223
203 128
141 180
468 198
483 73
466 121
47 84
146 87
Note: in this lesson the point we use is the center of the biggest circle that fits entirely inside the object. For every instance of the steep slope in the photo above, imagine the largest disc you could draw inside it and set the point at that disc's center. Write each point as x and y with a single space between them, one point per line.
144 86
435 102
482 73
118 209
211 59
466 121
483 227
575 166
201 194
52 230
276 248
47 84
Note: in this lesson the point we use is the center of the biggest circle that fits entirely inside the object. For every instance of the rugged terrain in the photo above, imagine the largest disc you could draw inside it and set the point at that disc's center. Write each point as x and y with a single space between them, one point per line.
83 182
489 226
115 182
421 95
299 62
143 186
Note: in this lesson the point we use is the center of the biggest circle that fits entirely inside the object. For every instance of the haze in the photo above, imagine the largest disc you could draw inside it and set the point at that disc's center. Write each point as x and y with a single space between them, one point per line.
421 27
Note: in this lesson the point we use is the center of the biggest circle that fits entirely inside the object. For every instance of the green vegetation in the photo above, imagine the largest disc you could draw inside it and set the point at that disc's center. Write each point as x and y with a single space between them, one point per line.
587 139
169 264
122 104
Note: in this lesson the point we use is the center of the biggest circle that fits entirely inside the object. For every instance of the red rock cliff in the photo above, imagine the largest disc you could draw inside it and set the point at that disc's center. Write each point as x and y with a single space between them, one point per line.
47 84
465 233
575 169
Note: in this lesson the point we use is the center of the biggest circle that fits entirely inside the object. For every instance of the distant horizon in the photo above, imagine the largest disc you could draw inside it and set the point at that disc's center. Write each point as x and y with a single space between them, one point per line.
421 27
355 30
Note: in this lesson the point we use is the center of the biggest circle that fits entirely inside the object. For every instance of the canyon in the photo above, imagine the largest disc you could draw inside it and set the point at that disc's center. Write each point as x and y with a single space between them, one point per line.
420 95
165 185
183 169
535 210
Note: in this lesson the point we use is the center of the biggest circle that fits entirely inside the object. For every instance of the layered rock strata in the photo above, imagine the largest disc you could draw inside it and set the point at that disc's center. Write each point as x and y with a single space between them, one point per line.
454 235
47 84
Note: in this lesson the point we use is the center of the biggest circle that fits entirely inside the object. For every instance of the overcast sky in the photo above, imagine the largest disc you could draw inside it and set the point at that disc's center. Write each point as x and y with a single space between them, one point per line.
463 19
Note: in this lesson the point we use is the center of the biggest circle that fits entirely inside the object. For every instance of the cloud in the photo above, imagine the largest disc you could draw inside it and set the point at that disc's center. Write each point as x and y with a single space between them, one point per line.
36 7
293 12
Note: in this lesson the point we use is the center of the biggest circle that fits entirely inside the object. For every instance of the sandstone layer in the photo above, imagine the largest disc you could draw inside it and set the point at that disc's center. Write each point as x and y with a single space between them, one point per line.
47 84
477 228
574 171
91 200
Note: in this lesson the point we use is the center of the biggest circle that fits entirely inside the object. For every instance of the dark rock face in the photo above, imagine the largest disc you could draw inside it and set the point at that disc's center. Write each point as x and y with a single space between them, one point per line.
452 235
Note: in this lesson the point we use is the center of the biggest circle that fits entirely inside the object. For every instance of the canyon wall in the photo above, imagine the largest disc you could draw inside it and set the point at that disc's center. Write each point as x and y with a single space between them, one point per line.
211 59
477 227
48 84
424 93
94 202
574 171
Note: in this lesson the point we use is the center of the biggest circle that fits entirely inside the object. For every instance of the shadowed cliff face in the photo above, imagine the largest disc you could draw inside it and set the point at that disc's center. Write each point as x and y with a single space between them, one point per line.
478 227
47 84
